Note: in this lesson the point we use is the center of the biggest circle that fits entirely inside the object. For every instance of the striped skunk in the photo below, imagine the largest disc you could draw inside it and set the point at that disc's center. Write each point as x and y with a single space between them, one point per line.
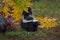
28 22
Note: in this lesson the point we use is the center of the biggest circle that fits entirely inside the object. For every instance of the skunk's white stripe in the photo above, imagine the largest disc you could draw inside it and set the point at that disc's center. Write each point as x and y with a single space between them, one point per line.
26 21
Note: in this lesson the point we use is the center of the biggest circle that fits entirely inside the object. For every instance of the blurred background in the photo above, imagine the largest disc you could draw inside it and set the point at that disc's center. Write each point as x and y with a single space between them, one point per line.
50 8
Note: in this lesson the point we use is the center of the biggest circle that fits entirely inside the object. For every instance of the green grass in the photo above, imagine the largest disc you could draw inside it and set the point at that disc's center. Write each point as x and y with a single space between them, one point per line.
16 35
46 8
42 34
22 34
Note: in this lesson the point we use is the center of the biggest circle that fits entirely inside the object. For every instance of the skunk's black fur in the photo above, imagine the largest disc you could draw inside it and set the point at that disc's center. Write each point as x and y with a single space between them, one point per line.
29 26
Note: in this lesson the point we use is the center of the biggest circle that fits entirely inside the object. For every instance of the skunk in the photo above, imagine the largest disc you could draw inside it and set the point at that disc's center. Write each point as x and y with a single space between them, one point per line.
28 22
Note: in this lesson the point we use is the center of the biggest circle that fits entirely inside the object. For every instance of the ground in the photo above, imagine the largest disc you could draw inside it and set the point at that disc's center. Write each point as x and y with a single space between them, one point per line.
42 8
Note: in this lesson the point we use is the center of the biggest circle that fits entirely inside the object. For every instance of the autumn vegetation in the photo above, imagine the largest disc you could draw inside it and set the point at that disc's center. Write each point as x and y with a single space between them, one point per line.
46 12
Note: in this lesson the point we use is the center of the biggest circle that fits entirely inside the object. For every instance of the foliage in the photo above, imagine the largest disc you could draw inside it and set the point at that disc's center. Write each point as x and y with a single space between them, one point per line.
14 8
47 22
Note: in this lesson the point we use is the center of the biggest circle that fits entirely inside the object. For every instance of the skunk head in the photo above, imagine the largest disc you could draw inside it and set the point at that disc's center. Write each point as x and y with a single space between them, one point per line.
27 16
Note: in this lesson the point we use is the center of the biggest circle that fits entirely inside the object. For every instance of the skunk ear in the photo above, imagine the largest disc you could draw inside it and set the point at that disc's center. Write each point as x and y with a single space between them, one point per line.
24 13
29 10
